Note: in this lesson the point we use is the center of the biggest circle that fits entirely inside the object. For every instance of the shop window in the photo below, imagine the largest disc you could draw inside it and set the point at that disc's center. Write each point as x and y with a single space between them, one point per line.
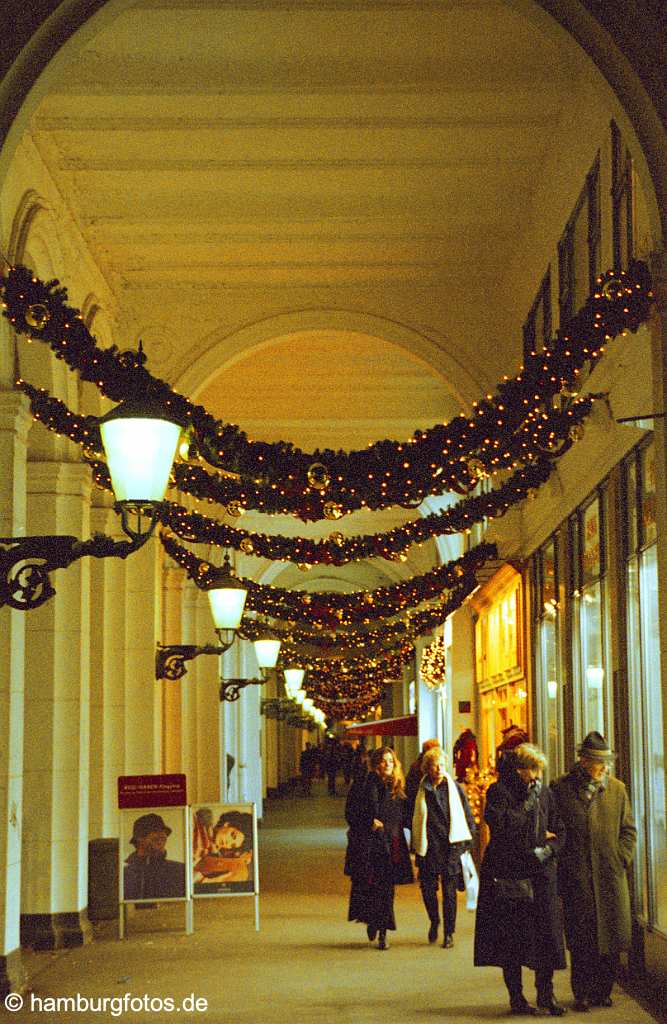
590 620
622 200
537 328
549 693
579 248
499 659
645 690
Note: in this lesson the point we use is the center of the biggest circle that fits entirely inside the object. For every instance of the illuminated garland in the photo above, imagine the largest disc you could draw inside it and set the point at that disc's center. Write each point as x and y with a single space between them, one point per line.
432 667
326 608
337 549
502 430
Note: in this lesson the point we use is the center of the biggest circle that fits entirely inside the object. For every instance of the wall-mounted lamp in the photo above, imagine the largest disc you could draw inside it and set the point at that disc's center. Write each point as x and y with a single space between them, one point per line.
139 439
227 597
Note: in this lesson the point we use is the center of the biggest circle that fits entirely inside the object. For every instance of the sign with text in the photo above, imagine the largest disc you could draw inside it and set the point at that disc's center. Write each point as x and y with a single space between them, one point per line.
151 791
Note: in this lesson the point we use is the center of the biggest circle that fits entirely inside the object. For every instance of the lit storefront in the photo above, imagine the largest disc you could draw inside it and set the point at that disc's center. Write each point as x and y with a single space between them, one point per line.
500 659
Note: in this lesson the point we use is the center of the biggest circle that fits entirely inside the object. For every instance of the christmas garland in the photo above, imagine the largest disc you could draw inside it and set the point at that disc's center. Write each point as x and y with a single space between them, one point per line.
329 609
337 550
280 477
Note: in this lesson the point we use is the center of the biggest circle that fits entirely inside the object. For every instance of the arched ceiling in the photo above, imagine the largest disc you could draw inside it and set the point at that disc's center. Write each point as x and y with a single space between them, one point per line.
232 162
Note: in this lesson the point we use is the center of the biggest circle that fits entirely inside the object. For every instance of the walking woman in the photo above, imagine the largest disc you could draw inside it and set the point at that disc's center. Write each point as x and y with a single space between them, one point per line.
380 858
442 829
518 912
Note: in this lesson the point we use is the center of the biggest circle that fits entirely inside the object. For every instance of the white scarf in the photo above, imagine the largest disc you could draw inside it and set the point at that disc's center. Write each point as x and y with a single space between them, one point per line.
458 826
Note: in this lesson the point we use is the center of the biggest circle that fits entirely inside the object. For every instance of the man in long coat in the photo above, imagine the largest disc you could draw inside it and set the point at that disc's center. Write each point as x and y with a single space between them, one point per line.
592 870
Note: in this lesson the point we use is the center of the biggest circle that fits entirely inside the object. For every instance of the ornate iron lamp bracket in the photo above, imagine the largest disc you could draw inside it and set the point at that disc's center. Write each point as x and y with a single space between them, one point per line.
26 563
230 689
170 658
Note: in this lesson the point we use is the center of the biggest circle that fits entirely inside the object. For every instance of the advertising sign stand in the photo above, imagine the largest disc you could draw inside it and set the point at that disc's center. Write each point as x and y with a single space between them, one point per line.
225 852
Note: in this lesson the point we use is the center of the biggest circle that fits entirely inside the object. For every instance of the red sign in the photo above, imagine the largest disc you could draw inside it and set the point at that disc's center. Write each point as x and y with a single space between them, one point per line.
151 791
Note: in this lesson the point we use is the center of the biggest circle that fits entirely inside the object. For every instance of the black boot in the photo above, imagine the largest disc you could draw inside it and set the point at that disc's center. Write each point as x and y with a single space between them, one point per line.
382 940
520 1006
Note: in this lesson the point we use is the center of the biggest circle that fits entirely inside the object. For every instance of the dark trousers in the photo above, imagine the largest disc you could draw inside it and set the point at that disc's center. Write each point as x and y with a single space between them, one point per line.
428 881
543 983
592 975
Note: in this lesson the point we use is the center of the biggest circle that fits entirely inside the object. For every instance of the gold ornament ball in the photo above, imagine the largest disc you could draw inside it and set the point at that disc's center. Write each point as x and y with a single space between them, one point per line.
531 493
476 468
37 316
318 476
337 538
235 509
247 546
459 571
332 510
612 287
576 432
306 599
303 566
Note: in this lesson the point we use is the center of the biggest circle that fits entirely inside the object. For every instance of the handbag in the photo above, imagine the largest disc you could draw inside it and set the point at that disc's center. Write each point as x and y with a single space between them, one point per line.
471 880
514 890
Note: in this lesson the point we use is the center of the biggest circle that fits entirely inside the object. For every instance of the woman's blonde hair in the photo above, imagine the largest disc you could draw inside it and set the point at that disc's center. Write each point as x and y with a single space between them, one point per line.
397 777
431 756
530 756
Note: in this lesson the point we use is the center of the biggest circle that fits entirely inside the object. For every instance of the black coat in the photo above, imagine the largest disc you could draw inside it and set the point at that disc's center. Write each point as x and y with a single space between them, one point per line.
383 853
441 855
507 932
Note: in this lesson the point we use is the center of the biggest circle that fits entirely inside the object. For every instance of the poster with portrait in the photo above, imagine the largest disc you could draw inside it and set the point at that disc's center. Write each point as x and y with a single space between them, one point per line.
153 854
224 849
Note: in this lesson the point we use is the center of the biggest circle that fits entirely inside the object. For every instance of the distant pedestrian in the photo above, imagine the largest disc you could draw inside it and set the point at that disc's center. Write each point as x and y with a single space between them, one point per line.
307 769
592 870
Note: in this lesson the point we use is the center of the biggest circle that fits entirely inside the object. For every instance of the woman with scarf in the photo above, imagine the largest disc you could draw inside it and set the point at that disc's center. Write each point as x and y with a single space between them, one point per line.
442 829
518 919
379 859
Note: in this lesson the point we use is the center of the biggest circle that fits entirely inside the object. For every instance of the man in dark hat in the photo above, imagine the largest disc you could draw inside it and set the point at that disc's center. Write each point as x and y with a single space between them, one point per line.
148 875
592 870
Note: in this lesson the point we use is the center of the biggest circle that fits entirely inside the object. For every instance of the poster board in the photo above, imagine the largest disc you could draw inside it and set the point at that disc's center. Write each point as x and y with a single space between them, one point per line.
153 855
224 850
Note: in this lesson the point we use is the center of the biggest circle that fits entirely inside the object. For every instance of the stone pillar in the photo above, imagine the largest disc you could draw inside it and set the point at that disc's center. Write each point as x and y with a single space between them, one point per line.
205 681
250 767
106 677
271 746
229 742
56 753
659 349
172 754
189 750
14 424
143 699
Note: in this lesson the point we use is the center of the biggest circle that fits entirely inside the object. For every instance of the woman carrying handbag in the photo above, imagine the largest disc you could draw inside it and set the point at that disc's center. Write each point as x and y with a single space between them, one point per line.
519 920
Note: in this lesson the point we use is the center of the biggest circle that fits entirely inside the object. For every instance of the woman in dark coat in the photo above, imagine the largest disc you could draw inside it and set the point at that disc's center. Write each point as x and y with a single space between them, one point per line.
520 924
378 859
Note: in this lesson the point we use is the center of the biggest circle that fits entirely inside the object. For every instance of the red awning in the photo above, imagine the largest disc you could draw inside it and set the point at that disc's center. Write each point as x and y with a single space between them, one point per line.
405 726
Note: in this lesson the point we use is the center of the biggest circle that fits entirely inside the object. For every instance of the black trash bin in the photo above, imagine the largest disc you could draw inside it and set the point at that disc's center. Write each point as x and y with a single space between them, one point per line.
102 879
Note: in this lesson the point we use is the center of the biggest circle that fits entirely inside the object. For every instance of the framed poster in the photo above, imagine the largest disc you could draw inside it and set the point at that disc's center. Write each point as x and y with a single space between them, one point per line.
153 854
224 849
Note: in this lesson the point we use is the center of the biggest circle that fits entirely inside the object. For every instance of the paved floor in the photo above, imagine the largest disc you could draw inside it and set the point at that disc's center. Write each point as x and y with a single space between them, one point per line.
306 965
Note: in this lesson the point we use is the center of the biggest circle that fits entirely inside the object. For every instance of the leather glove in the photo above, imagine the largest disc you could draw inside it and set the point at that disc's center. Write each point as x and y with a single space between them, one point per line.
533 795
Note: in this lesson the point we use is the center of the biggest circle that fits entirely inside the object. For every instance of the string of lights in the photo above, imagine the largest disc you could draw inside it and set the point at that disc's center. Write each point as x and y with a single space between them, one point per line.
501 431
331 609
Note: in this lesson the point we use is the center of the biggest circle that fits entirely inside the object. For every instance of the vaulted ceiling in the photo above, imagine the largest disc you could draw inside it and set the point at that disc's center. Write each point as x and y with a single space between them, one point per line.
304 207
